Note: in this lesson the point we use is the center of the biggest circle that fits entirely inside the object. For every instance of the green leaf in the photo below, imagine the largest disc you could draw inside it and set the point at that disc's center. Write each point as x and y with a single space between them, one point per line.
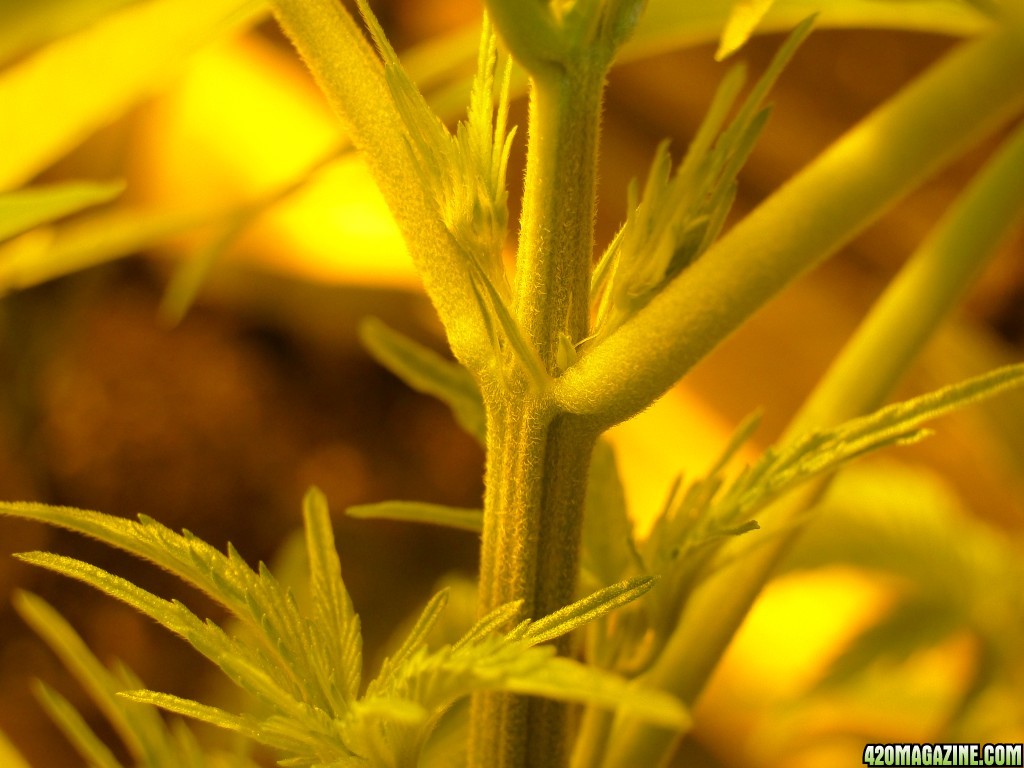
492 622
584 611
426 371
95 75
417 637
24 26
786 466
743 19
491 305
140 728
687 541
46 254
607 553
78 732
273 732
274 669
679 216
464 176
294 664
26 208
513 662
190 274
668 24
244 725
247 667
566 680
9 755
334 618
420 512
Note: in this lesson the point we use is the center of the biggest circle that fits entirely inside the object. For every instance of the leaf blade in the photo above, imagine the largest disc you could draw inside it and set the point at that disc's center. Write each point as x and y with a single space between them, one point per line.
26 208
131 53
420 512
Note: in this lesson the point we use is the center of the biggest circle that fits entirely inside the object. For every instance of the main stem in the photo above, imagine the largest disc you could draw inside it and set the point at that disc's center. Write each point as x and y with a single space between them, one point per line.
537 457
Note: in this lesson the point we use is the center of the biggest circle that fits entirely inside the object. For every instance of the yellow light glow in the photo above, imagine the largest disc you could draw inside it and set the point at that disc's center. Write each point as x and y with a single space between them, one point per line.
680 432
756 708
243 121
798 626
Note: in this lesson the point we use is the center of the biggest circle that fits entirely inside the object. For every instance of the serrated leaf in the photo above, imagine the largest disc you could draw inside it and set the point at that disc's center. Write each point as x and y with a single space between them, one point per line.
294 724
26 208
493 306
679 215
464 176
426 371
417 637
825 451
284 660
244 666
492 622
334 618
196 711
130 54
512 662
584 611
686 542
288 668
273 731
421 512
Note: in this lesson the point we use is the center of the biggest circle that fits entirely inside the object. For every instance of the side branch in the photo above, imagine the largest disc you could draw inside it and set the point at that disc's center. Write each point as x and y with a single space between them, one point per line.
352 77
949 108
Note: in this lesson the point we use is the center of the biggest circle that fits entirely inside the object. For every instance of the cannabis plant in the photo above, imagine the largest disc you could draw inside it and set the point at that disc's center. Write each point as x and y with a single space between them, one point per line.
591 645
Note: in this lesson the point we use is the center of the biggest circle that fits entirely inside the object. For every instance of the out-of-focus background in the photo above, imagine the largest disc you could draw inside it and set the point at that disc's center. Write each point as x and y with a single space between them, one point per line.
220 421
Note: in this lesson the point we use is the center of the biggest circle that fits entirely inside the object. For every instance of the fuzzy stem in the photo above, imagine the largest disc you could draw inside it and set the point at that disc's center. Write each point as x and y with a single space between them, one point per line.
352 77
955 103
927 289
557 228
537 458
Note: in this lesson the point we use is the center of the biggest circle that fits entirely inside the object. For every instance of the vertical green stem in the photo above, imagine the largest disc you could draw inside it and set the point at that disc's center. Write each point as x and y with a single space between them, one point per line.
557 228
537 458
